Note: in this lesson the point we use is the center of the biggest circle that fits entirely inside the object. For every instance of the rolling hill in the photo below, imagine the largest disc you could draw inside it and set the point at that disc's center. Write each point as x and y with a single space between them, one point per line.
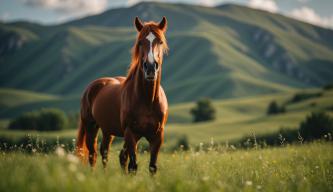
220 52
235 118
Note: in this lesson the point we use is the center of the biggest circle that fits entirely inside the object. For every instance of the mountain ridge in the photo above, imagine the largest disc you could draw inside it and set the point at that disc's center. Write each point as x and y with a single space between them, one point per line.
240 51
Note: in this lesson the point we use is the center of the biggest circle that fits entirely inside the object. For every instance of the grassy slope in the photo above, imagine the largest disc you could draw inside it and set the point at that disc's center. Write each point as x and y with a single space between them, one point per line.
240 117
14 102
235 119
14 97
293 168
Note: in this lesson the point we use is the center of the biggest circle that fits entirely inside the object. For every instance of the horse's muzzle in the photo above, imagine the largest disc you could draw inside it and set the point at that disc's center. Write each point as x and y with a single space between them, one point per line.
150 71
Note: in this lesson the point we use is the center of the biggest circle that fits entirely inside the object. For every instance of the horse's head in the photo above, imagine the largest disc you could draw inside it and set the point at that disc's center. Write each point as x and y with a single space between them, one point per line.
150 47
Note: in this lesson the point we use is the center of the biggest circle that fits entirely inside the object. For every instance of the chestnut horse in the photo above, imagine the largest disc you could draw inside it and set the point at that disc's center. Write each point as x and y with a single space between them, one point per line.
131 107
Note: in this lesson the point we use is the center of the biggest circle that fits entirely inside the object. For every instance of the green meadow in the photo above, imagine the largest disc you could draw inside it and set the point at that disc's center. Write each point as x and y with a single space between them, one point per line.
302 168
235 119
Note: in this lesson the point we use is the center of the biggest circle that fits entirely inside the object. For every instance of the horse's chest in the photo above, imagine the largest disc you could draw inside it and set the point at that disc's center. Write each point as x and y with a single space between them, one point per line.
145 122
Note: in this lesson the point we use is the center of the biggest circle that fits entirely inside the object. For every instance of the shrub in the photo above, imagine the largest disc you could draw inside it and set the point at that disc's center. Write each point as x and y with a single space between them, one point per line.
316 125
43 120
51 119
328 86
298 97
203 111
73 119
182 143
274 108
27 121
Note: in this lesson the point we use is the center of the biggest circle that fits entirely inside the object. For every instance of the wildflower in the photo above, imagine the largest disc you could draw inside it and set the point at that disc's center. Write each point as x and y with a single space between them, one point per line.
34 150
259 187
80 177
72 167
205 178
60 151
201 146
72 158
248 183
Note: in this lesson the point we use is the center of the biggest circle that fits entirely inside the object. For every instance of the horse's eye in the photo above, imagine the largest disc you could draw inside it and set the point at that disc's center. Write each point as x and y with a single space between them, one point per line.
161 42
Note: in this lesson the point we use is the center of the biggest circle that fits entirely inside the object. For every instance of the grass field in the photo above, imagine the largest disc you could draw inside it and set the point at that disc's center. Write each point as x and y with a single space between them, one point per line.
306 167
236 118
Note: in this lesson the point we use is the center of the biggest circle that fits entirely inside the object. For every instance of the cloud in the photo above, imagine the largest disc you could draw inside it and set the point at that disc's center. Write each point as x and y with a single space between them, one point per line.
209 3
77 7
309 15
303 1
267 5
4 16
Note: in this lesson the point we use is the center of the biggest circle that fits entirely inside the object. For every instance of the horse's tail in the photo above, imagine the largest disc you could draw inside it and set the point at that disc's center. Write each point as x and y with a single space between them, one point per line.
81 147
86 120
86 117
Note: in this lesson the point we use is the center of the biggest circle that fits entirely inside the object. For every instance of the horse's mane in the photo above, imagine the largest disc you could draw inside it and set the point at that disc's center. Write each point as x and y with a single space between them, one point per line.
135 61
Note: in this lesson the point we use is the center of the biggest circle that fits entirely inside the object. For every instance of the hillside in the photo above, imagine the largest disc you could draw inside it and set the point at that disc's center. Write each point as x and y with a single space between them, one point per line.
235 118
235 50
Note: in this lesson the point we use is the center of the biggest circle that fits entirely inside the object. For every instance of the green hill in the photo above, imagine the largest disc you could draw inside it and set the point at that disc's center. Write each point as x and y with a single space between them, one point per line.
221 52
235 118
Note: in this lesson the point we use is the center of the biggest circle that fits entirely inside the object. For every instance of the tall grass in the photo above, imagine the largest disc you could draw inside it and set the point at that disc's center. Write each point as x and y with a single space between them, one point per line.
306 167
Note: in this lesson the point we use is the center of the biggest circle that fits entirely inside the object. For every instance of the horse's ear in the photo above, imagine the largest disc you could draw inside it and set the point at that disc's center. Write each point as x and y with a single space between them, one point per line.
138 24
163 24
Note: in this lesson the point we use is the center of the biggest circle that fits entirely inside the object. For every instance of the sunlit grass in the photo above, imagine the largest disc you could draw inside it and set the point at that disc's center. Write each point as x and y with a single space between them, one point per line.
292 168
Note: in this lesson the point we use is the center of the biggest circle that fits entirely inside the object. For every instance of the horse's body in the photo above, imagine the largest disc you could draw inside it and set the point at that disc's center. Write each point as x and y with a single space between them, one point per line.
131 107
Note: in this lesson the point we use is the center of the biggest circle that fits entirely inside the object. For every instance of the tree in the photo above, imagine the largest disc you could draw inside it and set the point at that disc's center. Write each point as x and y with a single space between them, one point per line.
274 108
183 143
203 111
316 125
42 120
51 120
27 121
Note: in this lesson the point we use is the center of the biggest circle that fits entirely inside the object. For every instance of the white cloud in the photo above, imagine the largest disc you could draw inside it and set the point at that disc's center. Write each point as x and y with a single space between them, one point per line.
77 7
132 2
209 3
4 16
309 15
268 5
303 1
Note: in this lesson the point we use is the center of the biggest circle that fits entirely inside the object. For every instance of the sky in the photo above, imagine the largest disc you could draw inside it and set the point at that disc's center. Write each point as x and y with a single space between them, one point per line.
318 12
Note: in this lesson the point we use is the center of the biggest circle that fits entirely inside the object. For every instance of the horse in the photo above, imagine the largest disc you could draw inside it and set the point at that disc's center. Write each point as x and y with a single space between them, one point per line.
131 107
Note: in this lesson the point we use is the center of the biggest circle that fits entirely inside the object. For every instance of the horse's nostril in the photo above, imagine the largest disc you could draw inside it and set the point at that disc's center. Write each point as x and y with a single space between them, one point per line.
145 66
156 65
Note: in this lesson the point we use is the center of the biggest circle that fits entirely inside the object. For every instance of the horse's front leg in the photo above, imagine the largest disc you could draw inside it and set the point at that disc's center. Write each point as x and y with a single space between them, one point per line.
131 141
155 143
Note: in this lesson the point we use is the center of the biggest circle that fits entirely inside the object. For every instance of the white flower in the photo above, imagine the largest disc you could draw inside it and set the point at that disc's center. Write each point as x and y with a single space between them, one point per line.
205 178
60 152
80 177
72 167
72 158
248 183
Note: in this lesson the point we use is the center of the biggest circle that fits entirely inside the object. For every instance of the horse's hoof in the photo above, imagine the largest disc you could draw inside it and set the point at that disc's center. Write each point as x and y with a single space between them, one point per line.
132 169
152 169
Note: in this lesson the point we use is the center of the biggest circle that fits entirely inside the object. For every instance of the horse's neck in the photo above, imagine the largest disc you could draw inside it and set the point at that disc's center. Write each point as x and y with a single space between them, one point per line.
146 90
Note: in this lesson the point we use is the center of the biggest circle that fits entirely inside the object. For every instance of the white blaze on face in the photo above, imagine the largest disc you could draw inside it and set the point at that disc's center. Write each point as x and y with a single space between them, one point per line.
151 38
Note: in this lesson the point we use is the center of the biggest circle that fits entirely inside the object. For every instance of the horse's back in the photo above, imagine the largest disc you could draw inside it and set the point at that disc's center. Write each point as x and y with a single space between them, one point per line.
106 105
